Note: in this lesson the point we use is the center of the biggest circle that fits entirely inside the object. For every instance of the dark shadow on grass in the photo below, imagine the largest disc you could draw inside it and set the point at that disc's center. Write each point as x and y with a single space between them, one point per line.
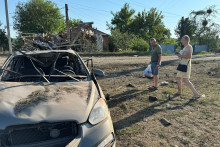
127 95
139 116
147 112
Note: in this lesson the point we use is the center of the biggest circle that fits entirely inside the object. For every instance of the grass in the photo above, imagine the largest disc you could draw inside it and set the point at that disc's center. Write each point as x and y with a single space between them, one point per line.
136 117
132 130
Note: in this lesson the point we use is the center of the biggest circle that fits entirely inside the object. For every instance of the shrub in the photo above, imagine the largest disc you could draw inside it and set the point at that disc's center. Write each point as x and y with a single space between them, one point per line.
139 44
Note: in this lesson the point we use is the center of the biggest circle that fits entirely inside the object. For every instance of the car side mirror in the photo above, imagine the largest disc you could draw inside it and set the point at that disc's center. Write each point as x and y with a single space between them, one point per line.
98 73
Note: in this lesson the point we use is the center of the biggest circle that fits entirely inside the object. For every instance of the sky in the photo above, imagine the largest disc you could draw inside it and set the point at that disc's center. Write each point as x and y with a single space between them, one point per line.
99 11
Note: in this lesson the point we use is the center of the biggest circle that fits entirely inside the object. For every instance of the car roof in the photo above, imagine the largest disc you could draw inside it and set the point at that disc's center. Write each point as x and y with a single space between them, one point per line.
17 53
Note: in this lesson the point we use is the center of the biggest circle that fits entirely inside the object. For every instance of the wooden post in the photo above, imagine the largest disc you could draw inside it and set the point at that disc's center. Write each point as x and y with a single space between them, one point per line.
8 27
67 23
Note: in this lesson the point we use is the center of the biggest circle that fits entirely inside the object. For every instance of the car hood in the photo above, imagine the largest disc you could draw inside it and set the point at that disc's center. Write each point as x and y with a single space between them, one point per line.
26 103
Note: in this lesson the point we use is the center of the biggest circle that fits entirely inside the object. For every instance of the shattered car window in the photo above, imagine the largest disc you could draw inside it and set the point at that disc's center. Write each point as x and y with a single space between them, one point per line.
52 67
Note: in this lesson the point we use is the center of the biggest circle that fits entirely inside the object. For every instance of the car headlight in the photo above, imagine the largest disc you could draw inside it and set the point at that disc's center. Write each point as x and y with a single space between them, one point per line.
99 112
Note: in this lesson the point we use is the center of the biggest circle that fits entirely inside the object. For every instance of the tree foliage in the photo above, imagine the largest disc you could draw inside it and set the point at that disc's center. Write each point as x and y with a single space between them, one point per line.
204 20
73 22
122 19
126 42
38 16
3 39
144 25
185 27
200 26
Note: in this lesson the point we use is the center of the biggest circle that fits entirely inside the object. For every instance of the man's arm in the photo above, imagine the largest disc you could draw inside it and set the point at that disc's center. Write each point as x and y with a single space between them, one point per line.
159 60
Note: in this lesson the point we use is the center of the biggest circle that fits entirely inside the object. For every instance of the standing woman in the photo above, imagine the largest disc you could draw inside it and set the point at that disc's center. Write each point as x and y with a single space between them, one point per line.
185 55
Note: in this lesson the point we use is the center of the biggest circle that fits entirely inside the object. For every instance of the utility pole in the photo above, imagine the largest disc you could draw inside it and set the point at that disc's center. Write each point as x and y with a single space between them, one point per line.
67 22
8 27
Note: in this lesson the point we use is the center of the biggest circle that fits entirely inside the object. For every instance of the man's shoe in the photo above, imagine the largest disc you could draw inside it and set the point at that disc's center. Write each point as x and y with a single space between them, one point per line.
153 88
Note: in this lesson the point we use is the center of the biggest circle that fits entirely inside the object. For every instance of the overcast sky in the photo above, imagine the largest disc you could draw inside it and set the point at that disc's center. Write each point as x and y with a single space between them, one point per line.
98 11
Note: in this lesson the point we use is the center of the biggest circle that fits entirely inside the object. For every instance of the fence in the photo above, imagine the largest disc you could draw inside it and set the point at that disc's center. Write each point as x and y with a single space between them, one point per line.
170 48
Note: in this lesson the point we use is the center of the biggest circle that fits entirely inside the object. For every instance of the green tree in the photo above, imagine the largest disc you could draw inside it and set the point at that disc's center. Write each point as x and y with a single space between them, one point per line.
122 41
185 27
170 41
127 42
156 26
144 24
122 19
3 39
73 22
38 16
207 29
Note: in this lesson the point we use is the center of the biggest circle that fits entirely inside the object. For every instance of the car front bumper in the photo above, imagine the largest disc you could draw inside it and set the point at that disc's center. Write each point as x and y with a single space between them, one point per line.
100 135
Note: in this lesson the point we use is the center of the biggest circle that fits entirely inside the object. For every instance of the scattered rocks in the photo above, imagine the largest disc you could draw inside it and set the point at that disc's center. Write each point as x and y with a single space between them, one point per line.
152 98
165 122
164 83
211 73
130 85
99 72
169 106
107 96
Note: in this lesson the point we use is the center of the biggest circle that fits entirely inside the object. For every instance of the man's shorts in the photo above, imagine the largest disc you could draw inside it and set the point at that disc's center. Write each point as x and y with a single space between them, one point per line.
153 66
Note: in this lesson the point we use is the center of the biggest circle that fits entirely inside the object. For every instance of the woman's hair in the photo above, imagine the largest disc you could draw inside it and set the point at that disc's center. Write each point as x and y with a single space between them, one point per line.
186 37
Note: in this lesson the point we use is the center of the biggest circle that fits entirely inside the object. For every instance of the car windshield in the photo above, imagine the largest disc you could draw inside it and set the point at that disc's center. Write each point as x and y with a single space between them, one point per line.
44 67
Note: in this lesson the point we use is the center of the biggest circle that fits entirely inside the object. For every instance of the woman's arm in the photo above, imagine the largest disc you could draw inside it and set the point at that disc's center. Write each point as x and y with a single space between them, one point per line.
188 53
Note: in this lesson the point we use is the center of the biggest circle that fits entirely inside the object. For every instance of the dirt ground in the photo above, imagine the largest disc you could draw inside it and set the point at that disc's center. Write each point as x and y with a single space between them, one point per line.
137 120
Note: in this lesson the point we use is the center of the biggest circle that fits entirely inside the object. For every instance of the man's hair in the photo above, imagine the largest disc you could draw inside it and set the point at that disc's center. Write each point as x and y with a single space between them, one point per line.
186 37
153 39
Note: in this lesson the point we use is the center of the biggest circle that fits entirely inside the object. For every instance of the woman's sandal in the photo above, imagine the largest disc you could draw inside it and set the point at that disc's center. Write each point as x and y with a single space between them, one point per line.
195 97
153 88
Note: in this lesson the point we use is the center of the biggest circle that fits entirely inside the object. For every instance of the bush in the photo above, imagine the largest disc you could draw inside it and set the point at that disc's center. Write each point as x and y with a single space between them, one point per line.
139 44
112 46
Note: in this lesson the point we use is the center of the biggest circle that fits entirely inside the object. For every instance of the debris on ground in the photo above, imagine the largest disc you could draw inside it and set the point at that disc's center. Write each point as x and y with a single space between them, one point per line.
80 37
169 106
152 98
107 96
164 83
165 122
130 85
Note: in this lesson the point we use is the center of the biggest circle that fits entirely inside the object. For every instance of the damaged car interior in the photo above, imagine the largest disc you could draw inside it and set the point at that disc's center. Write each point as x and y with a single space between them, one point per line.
49 67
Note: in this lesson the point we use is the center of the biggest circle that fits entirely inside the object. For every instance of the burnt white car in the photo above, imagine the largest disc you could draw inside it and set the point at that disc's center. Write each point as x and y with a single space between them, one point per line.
50 98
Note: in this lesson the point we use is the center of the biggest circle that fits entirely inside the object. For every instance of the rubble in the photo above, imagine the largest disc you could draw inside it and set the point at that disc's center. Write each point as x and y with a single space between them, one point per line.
81 37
